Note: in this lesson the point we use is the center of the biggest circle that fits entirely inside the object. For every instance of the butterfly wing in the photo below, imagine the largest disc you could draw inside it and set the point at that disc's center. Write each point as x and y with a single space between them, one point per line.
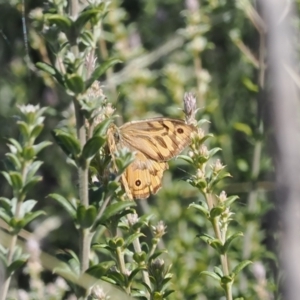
159 139
155 141
143 177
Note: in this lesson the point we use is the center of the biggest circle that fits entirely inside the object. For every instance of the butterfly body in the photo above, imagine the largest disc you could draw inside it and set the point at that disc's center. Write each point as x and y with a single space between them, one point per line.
154 141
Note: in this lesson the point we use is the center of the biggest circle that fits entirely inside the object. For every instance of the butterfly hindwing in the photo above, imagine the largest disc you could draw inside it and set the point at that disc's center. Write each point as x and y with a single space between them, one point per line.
143 176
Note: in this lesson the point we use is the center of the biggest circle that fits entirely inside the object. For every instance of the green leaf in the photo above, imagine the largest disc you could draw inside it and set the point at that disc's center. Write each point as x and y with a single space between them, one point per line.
230 200
101 128
30 217
86 215
134 272
67 142
13 158
131 238
39 147
157 254
217 211
6 216
75 83
186 158
15 265
98 270
16 180
242 127
100 70
211 274
33 168
84 17
16 144
35 132
65 271
201 208
87 39
114 209
31 183
230 239
213 151
52 71
5 204
24 128
63 23
65 203
92 146
117 277
28 153
27 206
240 267
7 177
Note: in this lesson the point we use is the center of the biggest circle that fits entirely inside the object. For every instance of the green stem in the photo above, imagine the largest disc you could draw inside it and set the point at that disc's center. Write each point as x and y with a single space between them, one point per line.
122 267
138 249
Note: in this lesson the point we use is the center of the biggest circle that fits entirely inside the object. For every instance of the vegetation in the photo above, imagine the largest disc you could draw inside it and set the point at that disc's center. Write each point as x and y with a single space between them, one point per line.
67 227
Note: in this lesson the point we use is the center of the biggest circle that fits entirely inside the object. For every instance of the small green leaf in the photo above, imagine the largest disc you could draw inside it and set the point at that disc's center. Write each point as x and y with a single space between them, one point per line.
134 272
217 211
92 146
65 203
114 209
98 270
30 217
87 38
35 132
230 239
211 274
90 216
39 147
7 177
16 180
13 158
75 83
100 70
27 206
132 237
67 142
230 200
186 158
17 264
62 22
5 204
157 254
213 151
24 128
52 71
84 17
33 168
86 215
28 153
101 128
16 144
30 183
240 267
201 208
5 216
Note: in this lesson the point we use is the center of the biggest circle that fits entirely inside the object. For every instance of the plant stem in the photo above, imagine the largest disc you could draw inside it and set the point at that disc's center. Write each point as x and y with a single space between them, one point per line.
11 248
138 249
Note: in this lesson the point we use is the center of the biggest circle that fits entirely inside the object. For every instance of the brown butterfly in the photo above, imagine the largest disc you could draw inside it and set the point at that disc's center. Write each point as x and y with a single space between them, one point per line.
154 141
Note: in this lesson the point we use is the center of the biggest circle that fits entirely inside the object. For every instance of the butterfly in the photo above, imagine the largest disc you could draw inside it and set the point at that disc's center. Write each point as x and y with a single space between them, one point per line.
154 141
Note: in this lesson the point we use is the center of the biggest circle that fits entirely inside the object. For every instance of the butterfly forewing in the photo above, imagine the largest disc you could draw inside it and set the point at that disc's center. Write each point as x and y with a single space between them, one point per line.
160 139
